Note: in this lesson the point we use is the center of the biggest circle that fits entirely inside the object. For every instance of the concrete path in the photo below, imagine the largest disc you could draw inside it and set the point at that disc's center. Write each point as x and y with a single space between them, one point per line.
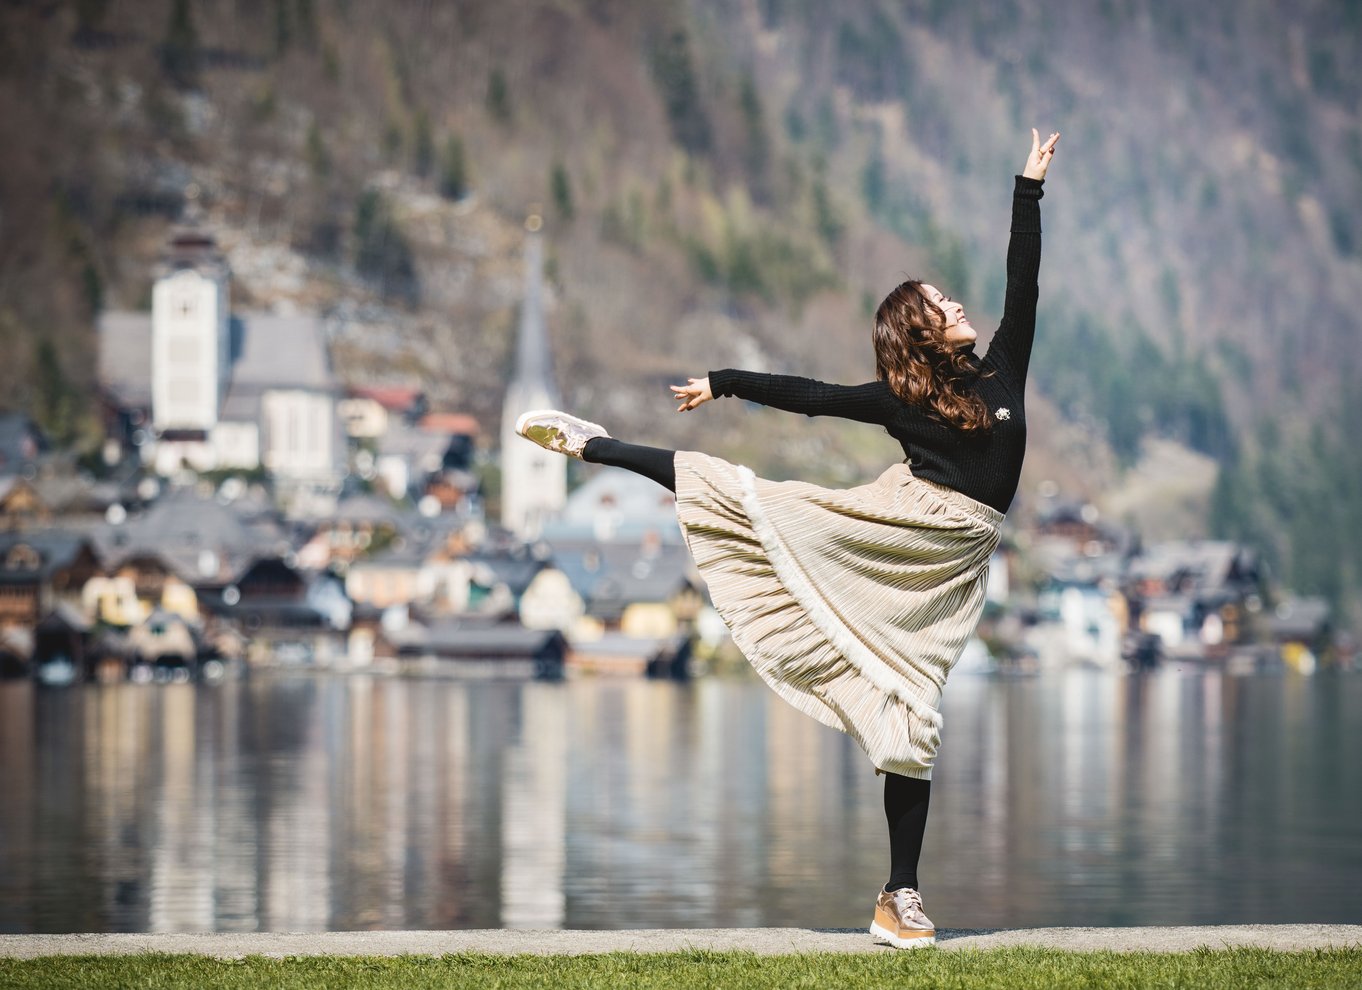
767 941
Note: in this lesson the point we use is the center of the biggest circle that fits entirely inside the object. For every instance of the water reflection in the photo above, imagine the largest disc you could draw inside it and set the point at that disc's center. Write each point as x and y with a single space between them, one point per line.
314 802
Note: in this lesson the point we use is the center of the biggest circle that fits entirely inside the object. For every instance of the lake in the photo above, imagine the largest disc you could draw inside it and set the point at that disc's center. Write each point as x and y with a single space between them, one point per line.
314 801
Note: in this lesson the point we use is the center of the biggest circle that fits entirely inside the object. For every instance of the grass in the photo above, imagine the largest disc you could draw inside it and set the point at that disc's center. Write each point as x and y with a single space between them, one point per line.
1043 969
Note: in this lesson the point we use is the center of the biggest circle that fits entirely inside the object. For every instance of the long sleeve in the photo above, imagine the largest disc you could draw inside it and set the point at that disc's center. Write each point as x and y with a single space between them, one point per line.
863 403
1010 348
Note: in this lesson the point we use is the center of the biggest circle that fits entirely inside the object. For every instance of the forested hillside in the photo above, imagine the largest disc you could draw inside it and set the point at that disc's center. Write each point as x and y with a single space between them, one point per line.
738 183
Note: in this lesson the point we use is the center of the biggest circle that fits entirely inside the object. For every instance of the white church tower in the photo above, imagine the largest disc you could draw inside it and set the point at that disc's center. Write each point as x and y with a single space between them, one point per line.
190 347
533 480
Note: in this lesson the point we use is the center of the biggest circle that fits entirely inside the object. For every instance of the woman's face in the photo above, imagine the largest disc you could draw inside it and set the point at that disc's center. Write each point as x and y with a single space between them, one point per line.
958 329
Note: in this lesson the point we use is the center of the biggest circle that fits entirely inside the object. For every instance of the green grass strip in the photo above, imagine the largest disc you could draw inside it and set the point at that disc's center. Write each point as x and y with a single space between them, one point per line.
996 969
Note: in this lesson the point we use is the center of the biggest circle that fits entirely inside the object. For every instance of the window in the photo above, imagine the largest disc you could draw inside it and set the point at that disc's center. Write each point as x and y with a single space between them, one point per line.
23 557
182 350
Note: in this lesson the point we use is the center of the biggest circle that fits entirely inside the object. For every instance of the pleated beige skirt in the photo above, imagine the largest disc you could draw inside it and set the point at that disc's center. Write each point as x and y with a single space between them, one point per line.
853 604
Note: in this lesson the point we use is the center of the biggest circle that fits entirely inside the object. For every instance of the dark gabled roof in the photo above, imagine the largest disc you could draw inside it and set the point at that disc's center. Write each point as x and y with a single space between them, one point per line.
1202 564
184 529
514 571
609 576
56 549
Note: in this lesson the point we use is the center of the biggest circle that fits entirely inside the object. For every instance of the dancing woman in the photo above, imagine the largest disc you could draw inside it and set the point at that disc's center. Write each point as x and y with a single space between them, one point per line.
854 604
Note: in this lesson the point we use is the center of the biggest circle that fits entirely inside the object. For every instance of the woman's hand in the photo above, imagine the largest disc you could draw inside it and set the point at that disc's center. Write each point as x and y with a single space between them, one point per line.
1039 159
693 394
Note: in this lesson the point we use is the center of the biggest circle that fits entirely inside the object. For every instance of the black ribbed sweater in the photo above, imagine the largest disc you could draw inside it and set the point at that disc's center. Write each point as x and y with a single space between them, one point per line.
985 467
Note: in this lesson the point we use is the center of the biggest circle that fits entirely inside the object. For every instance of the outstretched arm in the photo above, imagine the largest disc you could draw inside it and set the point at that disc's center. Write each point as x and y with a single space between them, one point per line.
863 403
1011 345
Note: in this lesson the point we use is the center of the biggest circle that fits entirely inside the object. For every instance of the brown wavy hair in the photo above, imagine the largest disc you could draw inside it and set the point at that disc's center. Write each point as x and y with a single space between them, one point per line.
914 357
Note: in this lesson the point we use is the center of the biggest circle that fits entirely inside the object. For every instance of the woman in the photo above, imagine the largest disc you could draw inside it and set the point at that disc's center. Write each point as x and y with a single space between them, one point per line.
855 604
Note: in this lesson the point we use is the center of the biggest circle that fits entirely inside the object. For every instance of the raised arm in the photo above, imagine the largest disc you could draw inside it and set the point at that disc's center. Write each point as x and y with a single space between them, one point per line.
863 403
1011 345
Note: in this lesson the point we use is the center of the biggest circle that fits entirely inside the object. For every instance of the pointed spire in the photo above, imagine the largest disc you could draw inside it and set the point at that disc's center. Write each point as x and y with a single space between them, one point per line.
534 365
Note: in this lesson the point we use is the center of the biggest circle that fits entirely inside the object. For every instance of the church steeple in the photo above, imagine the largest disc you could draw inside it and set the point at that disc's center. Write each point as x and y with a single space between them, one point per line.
534 364
534 481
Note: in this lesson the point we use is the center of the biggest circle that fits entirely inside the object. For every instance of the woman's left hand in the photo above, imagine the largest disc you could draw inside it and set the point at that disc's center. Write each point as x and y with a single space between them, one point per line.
1039 159
692 394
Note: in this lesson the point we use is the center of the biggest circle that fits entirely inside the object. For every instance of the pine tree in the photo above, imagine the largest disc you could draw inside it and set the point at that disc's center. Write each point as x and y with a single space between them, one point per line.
674 72
562 191
423 146
499 97
180 49
453 169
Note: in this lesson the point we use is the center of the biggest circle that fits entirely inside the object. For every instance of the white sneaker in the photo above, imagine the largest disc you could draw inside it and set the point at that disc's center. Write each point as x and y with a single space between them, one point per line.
558 431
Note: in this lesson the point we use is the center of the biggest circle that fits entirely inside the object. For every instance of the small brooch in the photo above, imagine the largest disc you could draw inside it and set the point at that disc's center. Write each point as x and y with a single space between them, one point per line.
1002 412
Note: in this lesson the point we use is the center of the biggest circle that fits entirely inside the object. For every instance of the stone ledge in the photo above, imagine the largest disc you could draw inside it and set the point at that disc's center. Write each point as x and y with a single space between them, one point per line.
766 941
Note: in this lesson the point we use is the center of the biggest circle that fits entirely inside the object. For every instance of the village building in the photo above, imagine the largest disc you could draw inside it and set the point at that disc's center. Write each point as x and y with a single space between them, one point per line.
193 384
1197 595
476 649
289 615
367 411
615 505
422 565
21 504
185 543
361 526
40 570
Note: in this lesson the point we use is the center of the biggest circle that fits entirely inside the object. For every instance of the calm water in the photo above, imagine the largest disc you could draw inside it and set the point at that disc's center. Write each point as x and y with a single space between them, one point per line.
313 802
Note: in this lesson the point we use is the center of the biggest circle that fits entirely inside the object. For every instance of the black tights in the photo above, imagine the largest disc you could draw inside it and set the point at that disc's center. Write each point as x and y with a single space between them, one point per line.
905 798
905 806
651 462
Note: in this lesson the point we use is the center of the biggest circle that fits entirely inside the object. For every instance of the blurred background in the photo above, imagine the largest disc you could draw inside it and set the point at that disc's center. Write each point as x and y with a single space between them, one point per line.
296 635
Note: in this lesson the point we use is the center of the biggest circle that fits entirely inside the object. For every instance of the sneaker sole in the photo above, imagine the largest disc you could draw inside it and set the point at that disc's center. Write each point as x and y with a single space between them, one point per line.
912 942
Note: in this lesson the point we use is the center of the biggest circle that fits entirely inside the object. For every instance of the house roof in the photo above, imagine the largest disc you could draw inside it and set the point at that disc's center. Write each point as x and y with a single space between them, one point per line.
1302 618
609 576
125 356
275 351
629 504
405 441
56 549
449 424
516 572
453 637
203 540
394 398
282 351
20 440
366 508
1203 564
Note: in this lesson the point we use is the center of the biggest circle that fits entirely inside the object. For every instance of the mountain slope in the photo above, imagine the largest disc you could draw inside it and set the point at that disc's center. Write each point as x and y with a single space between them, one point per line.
734 183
